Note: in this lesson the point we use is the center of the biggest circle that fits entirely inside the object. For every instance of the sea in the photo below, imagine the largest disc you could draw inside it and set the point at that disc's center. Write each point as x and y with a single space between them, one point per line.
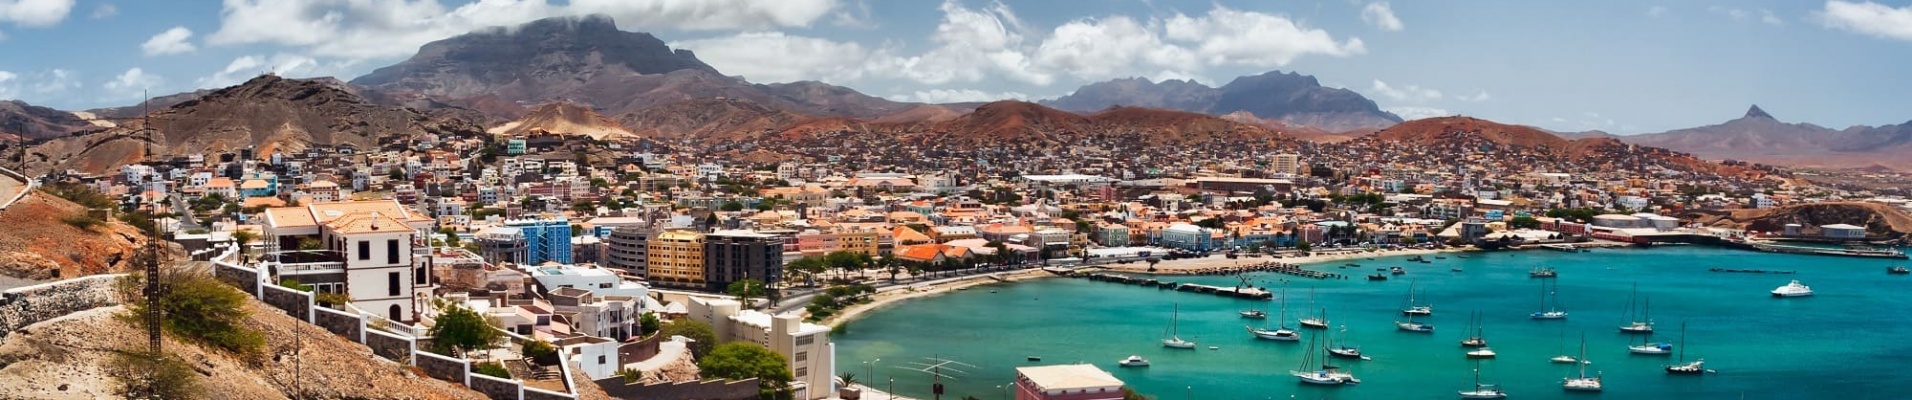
1853 340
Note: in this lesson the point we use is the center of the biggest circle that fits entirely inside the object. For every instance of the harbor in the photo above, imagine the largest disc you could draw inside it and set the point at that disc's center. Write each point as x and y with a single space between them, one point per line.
1081 320
1239 291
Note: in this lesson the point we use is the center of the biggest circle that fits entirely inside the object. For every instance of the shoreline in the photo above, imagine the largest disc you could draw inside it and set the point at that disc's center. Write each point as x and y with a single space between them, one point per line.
1200 265
885 298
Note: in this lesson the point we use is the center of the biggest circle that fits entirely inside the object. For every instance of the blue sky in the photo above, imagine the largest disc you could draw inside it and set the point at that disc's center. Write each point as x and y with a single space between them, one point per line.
1622 66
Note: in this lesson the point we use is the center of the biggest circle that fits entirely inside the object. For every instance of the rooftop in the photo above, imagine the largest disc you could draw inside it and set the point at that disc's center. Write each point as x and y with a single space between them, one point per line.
1069 377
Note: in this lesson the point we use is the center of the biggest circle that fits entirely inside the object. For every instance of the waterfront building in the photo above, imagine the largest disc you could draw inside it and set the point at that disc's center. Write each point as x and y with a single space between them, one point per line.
675 258
1187 237
731 256
1066 382
1842 231
806 347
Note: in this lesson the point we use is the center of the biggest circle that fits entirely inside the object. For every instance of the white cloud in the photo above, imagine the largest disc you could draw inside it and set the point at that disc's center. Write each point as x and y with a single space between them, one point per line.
35 13
8 88
1734 13
367 29
777 57
1414 113
970 45
1112 48
1230 37
1381 16
1766 16
131 84
957 96
283 64
1478 96
172 41
1656 11
1409 93
104 11
56 81
1868 18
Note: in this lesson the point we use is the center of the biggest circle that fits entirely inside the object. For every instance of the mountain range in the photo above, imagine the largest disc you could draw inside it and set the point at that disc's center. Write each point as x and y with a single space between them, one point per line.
1288 97
584 76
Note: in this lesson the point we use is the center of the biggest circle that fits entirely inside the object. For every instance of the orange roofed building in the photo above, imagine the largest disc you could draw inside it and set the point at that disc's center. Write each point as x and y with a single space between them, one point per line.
364 249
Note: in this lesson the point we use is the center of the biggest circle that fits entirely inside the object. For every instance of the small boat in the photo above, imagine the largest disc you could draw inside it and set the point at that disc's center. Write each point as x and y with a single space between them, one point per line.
1794 289
1563 359
1698 366
1651 348
1645 323
1377 277
1412 326
1134 361
1345 348
1175 341
1898 270
1254 314
1397 271
1034 358
1481 353
1440 257
1582 383
1214 347
1479 339
1283 334
1542 272
1416 259
1482 391
1455 269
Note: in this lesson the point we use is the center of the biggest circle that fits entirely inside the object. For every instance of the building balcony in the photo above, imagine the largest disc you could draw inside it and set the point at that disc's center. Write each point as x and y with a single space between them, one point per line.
303 262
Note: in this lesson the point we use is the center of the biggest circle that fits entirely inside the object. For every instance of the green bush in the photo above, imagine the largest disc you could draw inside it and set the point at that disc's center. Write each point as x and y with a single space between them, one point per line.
78 193
171 377
462 329
538 349
334 300
745 360
704 339
200 309
492 369
82 220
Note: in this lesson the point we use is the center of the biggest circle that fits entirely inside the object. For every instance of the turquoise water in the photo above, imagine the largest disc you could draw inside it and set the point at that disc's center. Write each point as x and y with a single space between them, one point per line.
1848 342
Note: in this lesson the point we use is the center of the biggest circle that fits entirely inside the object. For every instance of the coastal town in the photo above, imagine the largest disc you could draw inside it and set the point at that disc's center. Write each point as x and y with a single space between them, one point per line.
609 252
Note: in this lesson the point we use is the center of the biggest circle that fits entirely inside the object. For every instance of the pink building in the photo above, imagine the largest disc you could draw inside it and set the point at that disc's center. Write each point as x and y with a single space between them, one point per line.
1066 382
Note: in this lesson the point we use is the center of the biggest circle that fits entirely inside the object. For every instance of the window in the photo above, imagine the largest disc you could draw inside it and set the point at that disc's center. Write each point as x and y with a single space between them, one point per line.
803 372
365 250
391 279
803 356
600 359
806 340
391 251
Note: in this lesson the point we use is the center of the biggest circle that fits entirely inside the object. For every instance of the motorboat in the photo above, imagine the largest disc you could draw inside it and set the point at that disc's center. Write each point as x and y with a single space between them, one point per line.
1254 314
1033 358
1794 289
1483 391
1583 383
1455 269
1542 272
1898 270
1481 353
1397 271
1134 361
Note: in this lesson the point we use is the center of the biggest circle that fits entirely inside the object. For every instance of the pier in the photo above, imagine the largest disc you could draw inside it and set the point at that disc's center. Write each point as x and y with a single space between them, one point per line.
1268 266
1863 253
1246 292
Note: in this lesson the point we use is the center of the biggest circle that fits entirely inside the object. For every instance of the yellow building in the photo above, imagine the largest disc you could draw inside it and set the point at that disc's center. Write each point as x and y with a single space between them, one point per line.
676 259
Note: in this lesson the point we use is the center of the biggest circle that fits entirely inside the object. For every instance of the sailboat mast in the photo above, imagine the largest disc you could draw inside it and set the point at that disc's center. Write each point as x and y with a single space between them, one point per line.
1682 341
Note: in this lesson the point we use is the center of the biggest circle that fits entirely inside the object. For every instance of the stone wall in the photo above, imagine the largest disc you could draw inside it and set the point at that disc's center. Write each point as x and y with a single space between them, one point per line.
497 389
392 347
696 390
246 279
295 303
531 393
338 322
24 306
442 367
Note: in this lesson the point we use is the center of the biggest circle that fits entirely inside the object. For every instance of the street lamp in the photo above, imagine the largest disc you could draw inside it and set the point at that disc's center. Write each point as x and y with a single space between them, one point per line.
892 390
1000 391
869 368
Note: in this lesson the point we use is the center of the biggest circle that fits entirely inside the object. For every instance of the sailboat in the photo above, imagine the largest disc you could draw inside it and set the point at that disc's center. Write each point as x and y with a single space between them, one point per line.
1546 311
1482 391
1564 358
1473 321
1651 348
1316 371
1315 322
1645 323
1698 366
1344 348
1412 326
1583 383
1415 309
1174 341
1283 334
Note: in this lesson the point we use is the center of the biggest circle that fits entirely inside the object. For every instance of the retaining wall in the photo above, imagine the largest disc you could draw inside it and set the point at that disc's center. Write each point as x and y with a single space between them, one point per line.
246 279
295 303
442 367
390 346
496 388
349 326
27 305
702 390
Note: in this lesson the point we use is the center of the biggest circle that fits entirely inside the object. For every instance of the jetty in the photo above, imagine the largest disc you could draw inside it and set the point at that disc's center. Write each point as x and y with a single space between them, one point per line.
1749 271
1267 266
1849 252
1242 292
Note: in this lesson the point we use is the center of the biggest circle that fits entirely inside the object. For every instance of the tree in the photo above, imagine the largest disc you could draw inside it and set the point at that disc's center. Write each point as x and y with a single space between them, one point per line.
451 237
703 338
731 206
849 378
1304 246
462 329
539 351
746 360
745 290
648 324
200 309
1524 222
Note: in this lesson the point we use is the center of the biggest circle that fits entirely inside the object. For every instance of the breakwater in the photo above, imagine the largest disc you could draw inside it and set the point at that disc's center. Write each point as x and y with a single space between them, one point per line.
1243 292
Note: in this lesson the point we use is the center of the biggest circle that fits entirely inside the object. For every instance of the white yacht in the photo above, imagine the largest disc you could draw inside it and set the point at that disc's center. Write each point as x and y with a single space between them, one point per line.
1283 334
1174 340
1481 353
1134 361
1794 289
1643 324
1651 348
1483 391
1549 312
1316 371
1582 383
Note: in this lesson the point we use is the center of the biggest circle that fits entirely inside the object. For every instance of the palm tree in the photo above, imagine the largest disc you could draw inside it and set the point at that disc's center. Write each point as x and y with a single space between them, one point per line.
243 238
849 378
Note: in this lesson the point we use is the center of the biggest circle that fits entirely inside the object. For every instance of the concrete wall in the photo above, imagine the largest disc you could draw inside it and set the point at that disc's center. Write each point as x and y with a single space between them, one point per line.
495 388
442 367
27 305
390 346
341 323
246 279
704 390
531 393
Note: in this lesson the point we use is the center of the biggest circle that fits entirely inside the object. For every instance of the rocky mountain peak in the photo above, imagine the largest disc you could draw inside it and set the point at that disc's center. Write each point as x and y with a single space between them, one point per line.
1755 112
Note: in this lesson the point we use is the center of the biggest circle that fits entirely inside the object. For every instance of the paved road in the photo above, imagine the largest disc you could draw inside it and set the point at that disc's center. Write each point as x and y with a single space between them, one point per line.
8 188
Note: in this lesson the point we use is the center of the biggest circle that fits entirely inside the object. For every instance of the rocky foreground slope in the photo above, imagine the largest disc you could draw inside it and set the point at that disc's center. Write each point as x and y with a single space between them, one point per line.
37 244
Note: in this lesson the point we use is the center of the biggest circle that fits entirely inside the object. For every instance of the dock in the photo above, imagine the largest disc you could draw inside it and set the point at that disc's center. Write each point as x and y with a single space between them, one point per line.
1862 253
1267 266
1246 292
1749 271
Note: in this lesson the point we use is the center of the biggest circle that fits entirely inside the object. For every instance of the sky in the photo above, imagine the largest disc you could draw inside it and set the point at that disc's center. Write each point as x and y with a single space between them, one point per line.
1622 66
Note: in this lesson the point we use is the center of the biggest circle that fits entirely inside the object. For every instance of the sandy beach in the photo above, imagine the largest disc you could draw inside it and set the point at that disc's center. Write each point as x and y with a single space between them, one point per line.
1190 265
892 295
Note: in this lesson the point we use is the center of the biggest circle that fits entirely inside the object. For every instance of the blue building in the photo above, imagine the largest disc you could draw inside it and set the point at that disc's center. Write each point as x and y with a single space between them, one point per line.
545 240
1187 237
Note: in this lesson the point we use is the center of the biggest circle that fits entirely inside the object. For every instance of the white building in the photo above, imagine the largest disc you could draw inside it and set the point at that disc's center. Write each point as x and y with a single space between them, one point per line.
365 249
1287 164
806 346
600 282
